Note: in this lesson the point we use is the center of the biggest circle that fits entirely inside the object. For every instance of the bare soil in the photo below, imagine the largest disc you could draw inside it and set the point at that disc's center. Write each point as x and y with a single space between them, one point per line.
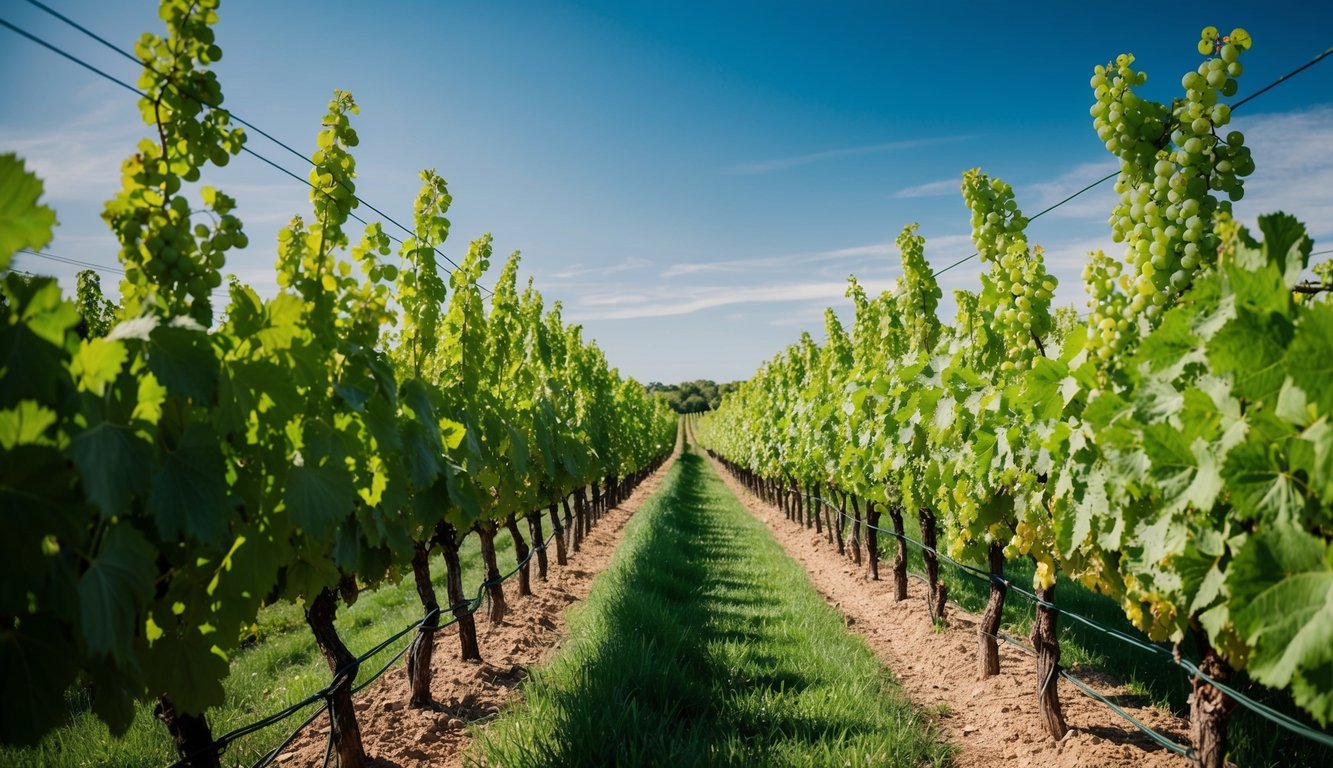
991 722
471 693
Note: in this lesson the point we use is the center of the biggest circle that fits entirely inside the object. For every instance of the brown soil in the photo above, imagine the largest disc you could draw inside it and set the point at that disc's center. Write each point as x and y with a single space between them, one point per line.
991 722
469 693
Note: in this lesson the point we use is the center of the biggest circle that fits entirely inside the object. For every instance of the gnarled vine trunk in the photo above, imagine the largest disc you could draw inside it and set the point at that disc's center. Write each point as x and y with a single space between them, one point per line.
816 509
937 593
193 737
580 516
872 540
538 540
423 645
345 731
856 529
1210 708
988 630
459 605
561 554
837 521
494 589
900 557
1047 643
521 552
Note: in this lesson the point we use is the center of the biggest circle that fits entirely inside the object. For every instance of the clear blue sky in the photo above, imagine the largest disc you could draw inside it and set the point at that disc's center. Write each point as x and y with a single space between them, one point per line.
694 180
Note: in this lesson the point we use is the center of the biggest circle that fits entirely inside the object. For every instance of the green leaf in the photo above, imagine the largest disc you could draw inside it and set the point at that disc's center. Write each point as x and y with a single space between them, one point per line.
37 665
1043 388
184 361
425 458
1251 347
1260 291
1262 488
318 498
23 222
354 396
1286 244
113 592
253 386
97 364
284 322
1281 584
1310 357
189 493
1075 521
113 462
25 425
308 575
187 669
32 365
1172 343
1312 454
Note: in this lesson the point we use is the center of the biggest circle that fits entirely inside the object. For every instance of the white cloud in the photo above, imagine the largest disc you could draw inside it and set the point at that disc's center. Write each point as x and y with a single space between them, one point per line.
783 163
1293 158
1094 203
930 189
581 270
875 250
678 301
81 160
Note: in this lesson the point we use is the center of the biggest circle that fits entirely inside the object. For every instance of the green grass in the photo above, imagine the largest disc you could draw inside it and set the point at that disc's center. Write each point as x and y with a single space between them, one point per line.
1148 678
704 644
282 668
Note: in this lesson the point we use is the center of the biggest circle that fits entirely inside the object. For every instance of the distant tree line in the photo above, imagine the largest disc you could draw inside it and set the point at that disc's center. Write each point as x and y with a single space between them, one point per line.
692 396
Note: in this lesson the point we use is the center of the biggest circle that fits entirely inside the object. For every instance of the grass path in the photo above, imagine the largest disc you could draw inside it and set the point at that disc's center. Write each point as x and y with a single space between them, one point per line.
704 644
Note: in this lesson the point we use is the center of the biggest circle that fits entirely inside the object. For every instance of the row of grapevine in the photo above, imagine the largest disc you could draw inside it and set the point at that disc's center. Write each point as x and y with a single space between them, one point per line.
167 471
1171 451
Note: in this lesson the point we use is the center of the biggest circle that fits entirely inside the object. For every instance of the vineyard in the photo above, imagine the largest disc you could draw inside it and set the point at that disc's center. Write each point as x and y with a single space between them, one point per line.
196 473
169 475
1168 451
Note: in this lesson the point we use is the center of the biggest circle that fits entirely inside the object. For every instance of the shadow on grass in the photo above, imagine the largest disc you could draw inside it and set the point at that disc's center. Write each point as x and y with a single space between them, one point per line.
688 652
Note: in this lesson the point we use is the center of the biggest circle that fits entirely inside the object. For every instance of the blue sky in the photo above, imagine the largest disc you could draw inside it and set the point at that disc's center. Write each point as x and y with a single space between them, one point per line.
694 181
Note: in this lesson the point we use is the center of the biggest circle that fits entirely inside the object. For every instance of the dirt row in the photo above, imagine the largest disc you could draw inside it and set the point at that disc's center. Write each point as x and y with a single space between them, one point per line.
468 693
991 722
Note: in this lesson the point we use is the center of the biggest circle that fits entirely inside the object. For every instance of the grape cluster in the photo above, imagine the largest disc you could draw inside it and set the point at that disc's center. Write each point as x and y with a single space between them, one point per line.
920 292
1020 288
1109 321
172 257
1172 161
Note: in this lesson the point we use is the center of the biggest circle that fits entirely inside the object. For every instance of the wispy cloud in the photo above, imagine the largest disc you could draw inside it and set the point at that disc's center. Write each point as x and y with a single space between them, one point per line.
1092 204
684 302
1294 167
871 250
581 270
783 163
79 161
930 189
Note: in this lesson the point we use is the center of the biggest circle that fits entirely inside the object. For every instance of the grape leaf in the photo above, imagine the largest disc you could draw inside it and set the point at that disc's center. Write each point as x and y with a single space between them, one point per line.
187 669
189 493
23 222
113 462
184 361
36 666
318 498
1251 347
1286 243
1262 488
113 590
424 456
1310 357
1281 584
25 424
